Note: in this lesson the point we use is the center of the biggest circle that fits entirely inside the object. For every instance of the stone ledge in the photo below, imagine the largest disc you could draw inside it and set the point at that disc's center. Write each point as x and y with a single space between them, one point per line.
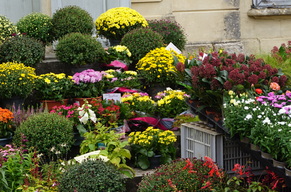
267 12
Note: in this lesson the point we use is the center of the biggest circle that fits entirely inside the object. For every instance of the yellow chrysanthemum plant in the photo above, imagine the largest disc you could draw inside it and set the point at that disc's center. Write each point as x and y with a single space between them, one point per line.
116 22
152 142
141 103
16 80
7 28
51 86
171 103
157 67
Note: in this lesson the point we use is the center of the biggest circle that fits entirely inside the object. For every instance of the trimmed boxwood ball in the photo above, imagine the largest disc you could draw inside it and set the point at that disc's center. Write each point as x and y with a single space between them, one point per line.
141 41
38 26
92 175
171 32
22 49
49 133
79 49
71 19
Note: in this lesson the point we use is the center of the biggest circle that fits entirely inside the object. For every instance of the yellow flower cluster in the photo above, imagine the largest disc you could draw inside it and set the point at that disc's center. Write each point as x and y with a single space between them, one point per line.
158 64
151 137
117 21
140 97
6 28
168 95
122 48
16 79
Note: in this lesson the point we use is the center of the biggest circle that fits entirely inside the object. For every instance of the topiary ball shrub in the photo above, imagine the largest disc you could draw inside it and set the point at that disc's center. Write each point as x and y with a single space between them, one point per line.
79 49
71 19
6 28
38 26
140 41
22 49
171 32
92 175
49 133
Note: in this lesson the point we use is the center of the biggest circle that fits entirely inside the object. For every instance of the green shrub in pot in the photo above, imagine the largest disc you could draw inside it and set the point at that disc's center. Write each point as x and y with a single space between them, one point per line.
38 26
92 175
170 30
141 41
71 19
22 49
79 49
49 133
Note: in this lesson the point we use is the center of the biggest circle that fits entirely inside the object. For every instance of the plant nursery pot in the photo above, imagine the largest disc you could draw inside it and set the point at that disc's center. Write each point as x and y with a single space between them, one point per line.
49 104
114 42
155 161
245 140
279 164
5 141
267 156
255 148
288 171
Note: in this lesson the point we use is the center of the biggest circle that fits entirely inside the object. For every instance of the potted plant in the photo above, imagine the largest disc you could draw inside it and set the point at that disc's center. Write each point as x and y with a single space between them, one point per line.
171 31
22 49
171 103
118 52
17 83
53 89
80 51
116 22
92 175
71 19
157 68
151 144
6 126
7 28
141 103
38 26
121 79
140 41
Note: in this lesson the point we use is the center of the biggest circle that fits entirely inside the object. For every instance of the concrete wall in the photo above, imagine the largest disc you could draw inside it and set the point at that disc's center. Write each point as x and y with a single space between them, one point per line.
228 24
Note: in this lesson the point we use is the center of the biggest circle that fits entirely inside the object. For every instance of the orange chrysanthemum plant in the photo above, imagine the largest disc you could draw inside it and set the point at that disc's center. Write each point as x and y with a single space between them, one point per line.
6 127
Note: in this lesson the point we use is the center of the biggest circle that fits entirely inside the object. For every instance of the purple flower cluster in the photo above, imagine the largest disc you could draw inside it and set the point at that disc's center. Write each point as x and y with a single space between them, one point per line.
278 101
88 76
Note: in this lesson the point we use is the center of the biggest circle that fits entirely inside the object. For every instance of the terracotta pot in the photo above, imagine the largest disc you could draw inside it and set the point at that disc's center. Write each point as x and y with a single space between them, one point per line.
49 104
81 101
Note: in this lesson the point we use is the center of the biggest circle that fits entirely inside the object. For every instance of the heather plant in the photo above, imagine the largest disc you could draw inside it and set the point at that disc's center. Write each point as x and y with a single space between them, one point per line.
71 19
49 133
7 28
36 25
79 49
141 41
22 49
171 31
92 175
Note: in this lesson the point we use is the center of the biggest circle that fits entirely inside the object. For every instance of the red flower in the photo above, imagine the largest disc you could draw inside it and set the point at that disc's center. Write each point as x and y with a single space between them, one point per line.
258 91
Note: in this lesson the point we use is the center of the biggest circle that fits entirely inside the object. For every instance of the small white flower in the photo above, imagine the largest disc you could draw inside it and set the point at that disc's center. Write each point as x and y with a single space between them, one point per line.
259 116
279 130
249 116
246 108
266 121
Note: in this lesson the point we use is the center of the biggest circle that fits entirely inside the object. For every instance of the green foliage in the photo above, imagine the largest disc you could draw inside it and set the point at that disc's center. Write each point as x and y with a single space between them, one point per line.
141 41
49 133
14 170
36 25
92 175
79 49
22 49
171 32
71 19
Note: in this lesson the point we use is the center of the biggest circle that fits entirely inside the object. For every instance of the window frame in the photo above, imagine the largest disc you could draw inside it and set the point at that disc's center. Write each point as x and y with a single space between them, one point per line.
260 4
